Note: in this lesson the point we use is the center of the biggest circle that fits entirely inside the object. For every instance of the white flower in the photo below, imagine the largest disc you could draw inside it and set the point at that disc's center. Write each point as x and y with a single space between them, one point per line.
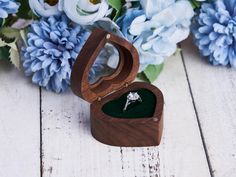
152 7
84 12
41 8
166 27
156 29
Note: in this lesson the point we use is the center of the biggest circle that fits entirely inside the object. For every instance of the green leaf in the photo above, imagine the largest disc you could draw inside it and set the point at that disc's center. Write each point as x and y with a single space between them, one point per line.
1 22
195 4
24 10
152 72
2 43
117 5
4 53
178 50
10 52
15 57
142 77
23 35
9 34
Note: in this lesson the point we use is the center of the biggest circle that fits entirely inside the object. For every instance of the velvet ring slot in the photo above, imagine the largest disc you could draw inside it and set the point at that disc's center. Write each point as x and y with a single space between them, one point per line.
138 109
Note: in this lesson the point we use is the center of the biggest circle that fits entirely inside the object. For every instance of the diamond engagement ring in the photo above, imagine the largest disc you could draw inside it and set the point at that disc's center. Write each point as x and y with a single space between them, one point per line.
132 97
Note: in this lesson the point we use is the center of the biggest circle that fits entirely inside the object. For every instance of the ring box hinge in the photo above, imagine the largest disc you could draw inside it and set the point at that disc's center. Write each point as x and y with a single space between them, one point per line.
99 99
126 84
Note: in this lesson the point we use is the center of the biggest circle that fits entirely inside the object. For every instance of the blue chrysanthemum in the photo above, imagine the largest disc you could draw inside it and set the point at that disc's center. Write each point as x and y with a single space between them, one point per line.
215 32
52 47
8 7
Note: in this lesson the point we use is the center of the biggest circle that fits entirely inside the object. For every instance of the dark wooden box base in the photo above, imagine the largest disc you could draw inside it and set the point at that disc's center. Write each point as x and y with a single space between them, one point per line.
128 132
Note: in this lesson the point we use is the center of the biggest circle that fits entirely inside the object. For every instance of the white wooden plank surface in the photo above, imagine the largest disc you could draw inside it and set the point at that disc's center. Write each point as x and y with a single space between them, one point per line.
69 149
19 125
181 152
214 92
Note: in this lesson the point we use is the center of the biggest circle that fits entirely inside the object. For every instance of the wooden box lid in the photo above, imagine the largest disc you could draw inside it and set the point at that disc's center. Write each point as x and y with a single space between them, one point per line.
124 74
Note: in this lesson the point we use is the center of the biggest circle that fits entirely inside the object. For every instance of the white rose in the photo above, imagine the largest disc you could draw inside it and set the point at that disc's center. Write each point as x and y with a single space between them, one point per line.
41 8
84 12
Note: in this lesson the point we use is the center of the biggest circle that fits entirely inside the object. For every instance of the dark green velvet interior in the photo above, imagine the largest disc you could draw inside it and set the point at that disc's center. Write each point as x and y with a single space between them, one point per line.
114 108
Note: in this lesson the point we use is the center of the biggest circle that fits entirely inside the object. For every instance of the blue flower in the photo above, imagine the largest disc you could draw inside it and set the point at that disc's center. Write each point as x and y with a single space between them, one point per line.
156 27
125 21
52 46
215 32
8 7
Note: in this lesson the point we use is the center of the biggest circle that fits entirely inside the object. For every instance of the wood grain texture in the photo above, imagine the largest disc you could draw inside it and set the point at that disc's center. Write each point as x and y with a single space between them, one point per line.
19 124
214 93
137 132
125 72
181 149
109 130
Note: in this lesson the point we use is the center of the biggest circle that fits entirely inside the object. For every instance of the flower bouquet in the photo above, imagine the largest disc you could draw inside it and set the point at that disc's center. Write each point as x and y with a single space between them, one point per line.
44 37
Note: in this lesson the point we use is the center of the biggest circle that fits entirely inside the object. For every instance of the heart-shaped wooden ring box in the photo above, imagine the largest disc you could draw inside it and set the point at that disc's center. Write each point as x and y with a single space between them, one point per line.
128 132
